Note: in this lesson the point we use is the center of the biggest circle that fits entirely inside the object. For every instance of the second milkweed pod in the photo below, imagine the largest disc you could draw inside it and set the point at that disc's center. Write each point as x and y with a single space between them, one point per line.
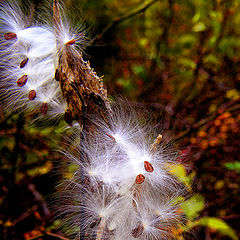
32 95
140 179
148 166
23 63
10 36
137 232
22 80
44 108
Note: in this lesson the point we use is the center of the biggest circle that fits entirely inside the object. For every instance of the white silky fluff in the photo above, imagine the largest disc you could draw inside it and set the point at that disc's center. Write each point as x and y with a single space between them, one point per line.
37 42
102 194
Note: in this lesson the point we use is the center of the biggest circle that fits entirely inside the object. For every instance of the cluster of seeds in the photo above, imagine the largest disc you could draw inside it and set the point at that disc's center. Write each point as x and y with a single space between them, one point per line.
29 59
121 187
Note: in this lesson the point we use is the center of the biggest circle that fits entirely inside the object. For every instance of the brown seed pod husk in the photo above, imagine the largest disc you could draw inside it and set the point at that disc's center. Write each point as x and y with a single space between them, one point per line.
71 42
23 63
148 166
32 95
44 108
22 80
137 232
140 179
10 36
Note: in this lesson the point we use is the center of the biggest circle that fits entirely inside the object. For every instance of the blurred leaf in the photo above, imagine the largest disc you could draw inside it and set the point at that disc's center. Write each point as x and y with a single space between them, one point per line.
187 40
187 62
232 94
199 27
180 172
218 225
193 206
233 166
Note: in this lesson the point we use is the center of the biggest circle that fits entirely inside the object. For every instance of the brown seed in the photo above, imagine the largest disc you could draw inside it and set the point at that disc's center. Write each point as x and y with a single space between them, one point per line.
23 63
137 232
44 108
10 36
32 95
140 179
148 166
57 75
71 42
22 80
68 118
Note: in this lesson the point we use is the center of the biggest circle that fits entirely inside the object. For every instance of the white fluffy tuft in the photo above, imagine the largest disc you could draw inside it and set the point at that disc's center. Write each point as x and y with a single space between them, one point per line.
29 59
104 192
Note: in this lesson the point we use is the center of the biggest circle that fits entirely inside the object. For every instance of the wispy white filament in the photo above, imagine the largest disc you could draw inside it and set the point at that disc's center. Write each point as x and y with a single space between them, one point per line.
103 192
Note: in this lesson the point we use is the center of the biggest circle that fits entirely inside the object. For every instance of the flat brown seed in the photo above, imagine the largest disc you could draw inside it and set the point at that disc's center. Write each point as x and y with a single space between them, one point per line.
22 80
137 232
23 63
10 36
32 95
140 179
71 42
68 118
148 166
44 108
57 75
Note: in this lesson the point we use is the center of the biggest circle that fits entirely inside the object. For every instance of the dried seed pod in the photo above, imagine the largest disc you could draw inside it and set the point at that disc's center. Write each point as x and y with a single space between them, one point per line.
10 36
148 166
32 95
22 80
23 63
140 179
71 42
57 75
137 232
44 108
68 117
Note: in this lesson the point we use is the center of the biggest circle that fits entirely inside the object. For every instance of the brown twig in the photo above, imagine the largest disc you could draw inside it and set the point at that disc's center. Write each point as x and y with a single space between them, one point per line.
126 16
206 120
